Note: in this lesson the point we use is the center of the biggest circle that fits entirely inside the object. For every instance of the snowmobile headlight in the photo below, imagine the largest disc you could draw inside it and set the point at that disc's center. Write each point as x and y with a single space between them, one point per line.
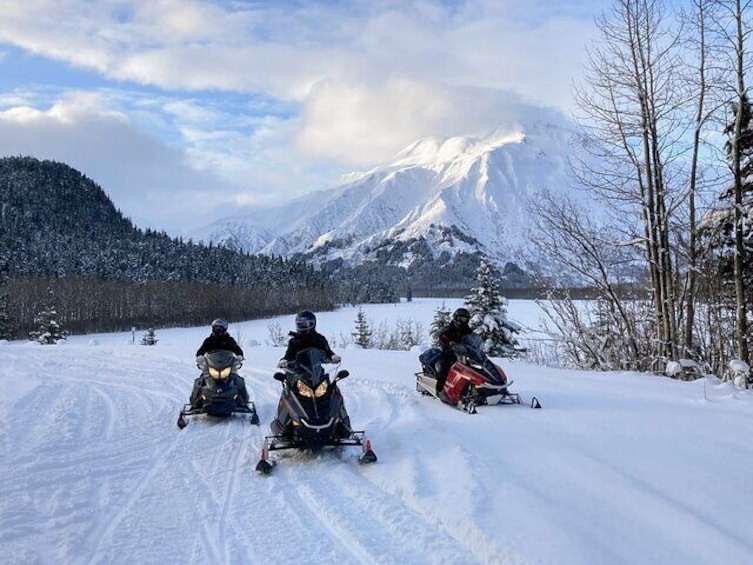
220 375
304 389
321 389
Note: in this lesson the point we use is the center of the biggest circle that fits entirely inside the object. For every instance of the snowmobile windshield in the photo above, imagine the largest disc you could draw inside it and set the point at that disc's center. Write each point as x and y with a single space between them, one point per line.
220 364
309 366
472 347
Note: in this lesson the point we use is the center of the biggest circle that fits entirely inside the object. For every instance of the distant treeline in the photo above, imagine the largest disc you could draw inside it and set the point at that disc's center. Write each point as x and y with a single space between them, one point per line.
87 305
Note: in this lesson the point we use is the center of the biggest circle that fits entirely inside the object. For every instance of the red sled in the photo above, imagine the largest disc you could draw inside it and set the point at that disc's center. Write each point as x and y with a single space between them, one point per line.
473 380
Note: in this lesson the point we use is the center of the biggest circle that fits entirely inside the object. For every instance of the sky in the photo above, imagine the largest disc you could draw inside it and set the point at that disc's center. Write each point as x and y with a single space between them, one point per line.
617 467
189 110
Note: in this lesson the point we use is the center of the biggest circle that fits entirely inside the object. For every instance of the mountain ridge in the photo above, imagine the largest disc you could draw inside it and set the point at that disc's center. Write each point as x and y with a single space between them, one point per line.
479 189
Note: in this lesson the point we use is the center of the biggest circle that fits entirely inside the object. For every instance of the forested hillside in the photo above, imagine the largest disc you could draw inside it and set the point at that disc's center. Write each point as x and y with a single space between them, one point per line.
59 230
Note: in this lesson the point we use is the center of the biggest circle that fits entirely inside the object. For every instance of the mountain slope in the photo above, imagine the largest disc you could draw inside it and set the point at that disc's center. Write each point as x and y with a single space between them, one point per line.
457 194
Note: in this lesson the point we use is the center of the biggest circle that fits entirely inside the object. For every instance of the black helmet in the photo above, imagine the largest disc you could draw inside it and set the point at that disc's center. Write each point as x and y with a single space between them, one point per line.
219 326
305 321
461 317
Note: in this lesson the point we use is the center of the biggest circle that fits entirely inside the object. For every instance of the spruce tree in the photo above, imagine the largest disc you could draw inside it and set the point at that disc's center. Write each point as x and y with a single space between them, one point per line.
441 320
488 309
363 332
728 228
6 332
48 330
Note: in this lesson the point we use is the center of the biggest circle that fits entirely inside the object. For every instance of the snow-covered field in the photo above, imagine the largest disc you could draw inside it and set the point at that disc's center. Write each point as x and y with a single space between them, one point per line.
616 467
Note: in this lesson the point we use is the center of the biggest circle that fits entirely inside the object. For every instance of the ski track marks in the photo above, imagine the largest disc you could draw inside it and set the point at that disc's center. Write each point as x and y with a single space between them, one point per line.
111 444
335 513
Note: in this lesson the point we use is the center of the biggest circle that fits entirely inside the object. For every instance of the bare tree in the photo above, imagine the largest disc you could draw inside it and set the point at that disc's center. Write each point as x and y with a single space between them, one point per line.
632 109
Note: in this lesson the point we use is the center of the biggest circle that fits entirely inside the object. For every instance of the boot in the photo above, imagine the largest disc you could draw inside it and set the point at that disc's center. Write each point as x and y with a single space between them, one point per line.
442 395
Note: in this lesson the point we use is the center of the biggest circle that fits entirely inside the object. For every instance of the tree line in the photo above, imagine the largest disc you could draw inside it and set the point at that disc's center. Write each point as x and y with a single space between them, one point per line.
61 237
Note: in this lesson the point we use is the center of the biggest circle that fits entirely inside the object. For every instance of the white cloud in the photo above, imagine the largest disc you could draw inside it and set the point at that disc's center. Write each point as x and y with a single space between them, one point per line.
249 102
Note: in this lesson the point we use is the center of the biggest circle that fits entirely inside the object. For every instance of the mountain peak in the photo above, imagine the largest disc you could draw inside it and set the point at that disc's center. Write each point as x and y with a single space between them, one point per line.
477 189
442 150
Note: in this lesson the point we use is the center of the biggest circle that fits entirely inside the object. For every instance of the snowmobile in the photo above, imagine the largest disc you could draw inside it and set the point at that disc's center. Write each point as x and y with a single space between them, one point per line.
220 391
311 414
473 380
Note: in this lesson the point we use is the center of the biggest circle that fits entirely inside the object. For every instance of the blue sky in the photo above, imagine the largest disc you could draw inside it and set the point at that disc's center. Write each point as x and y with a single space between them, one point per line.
189 110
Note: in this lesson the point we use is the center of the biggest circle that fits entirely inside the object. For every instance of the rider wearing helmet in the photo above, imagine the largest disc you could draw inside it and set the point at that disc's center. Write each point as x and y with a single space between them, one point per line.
453 333
306 336
219 339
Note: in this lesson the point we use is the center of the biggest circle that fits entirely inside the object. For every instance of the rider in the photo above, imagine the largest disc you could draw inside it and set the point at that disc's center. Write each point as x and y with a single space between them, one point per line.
219 340
305 337
450 335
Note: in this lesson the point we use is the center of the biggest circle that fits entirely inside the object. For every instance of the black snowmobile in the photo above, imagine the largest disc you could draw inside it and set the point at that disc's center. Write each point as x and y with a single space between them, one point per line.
311 414
220 391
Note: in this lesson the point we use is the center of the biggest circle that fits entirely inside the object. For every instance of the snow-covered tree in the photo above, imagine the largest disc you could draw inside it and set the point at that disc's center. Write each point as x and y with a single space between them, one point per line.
363 333
48 330
408 334
149 338
488 309
441 320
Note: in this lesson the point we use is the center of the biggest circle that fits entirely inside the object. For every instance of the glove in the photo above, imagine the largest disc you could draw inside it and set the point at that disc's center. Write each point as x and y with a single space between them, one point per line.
282 363
335 358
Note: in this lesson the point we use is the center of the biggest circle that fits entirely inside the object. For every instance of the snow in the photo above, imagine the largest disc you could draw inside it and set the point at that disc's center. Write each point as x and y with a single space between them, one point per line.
616 467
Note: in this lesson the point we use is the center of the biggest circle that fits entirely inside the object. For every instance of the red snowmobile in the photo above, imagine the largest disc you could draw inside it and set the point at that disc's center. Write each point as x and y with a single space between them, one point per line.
473 380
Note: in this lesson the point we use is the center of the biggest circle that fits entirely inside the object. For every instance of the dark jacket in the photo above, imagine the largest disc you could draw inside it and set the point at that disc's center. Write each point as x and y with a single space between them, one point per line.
217 342
298 342
452 334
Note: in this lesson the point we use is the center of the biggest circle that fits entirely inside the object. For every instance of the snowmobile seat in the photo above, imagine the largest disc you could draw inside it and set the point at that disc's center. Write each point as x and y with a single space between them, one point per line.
430 356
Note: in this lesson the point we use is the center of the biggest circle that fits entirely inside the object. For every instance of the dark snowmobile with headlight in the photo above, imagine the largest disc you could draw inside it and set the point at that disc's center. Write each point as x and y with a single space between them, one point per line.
220 391
311 414
473 380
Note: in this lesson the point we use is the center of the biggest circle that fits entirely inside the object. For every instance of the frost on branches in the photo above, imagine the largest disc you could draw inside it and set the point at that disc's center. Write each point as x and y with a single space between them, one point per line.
48 330
488 310
442 318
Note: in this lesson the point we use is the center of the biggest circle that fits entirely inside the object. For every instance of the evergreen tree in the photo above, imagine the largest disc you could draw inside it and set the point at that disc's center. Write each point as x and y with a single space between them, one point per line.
149 338
363 332
6 332
441 320
728 229
48 330
488 309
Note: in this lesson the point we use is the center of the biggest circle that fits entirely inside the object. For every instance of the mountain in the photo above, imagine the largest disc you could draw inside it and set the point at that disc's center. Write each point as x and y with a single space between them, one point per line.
449 195
60 229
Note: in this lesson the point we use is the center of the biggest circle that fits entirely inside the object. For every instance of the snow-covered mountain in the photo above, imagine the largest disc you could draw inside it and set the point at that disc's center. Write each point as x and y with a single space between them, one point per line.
458 194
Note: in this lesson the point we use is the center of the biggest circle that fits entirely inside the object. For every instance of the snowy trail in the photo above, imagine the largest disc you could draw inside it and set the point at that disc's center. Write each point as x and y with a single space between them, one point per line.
616 468
114 435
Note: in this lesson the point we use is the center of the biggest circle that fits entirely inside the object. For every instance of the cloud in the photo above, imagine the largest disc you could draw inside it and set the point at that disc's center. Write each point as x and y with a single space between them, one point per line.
137 171
208 105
